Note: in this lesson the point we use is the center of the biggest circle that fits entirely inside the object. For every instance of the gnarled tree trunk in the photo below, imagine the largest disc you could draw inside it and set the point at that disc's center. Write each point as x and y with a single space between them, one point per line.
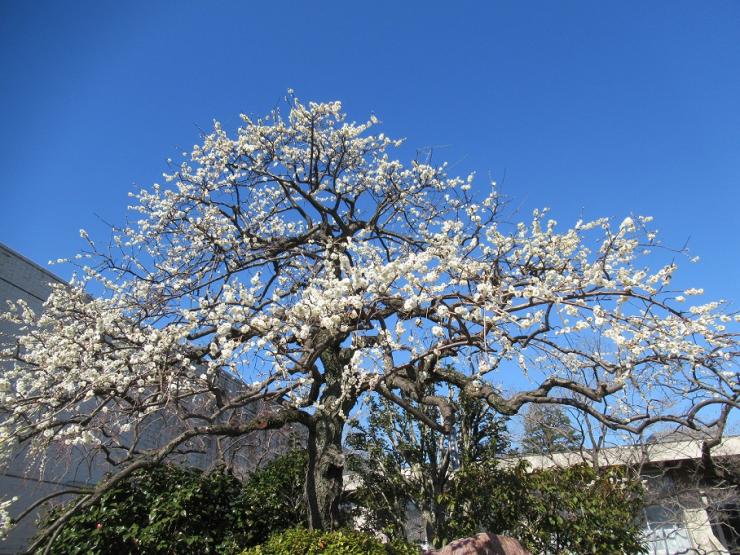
324 474
325 457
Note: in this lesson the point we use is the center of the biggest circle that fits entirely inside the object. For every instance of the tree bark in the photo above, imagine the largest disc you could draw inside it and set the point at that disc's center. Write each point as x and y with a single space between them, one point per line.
325 456
324 474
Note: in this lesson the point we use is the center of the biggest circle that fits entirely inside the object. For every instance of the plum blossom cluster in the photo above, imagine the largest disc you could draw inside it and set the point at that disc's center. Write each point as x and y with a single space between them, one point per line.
6 522
300 258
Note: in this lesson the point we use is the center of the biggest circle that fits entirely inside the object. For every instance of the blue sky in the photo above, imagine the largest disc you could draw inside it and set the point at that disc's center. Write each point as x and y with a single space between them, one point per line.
590 108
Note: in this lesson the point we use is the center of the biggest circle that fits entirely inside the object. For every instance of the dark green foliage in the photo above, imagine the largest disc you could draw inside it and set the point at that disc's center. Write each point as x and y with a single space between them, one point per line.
574 510
165 509
273 498
577 510
170 509
547 429
461 487
300 541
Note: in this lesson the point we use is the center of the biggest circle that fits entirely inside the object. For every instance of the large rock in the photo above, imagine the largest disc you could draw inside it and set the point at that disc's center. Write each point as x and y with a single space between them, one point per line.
482 544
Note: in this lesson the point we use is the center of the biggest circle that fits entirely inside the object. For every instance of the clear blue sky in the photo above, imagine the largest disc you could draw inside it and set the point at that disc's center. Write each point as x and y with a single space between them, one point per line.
590 108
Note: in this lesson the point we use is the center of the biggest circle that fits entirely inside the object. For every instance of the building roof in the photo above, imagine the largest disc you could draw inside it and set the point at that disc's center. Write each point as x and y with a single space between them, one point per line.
632 455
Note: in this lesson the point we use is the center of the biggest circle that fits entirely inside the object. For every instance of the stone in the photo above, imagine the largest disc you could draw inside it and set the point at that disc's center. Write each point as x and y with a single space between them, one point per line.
482 544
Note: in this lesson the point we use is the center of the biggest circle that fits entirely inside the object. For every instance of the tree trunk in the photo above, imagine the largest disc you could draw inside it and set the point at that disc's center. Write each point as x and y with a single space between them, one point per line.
324 474
325 456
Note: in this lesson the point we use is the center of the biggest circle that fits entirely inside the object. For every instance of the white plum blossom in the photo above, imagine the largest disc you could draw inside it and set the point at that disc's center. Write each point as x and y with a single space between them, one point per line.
302 261
6 523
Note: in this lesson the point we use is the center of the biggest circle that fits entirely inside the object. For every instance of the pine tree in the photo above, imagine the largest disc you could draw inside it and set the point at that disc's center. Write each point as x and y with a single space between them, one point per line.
547 429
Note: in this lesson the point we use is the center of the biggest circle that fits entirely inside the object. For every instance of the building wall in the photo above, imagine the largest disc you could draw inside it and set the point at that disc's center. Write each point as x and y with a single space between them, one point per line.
21 278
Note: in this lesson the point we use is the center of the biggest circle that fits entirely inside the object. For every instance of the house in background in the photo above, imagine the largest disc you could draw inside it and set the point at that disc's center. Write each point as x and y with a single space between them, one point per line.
74 467
685 512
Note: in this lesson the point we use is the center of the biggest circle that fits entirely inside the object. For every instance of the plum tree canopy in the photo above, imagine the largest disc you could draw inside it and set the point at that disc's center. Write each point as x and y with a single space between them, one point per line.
300 257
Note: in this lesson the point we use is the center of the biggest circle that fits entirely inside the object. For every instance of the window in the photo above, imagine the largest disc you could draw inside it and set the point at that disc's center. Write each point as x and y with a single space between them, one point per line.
666 532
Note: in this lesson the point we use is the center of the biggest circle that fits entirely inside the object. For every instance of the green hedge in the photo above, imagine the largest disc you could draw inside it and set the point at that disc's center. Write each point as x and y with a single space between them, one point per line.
272 499
300 541
166 509
575 510
170 509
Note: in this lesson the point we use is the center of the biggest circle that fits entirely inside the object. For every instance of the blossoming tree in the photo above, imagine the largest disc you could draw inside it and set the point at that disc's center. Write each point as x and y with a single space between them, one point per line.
299 257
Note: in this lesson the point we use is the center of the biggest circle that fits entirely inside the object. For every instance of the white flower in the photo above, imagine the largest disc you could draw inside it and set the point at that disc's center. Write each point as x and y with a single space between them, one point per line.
627 224
244 255
6 523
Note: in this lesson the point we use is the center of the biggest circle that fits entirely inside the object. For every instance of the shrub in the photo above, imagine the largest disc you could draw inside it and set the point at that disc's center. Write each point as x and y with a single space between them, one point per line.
571 510
165 509
300 541
579 510
272 499
171 509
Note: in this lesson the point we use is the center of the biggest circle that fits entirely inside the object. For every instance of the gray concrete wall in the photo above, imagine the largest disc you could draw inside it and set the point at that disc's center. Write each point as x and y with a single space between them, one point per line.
21 278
